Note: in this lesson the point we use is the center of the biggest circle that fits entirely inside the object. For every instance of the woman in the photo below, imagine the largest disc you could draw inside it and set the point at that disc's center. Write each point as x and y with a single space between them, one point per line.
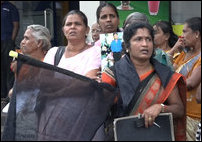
138 72
160 55
189 64
35 43
164 37
108 20
78 57
95 30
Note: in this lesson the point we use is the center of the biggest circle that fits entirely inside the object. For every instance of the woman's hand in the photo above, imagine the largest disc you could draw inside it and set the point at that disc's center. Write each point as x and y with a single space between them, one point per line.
96 76
151 113
13 66
179 45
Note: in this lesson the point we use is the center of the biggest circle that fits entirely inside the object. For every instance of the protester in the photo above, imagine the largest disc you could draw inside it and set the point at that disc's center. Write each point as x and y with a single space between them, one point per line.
9 31
160 55
78 56
108 20
95 30
164 37
139 74
35 43
189 64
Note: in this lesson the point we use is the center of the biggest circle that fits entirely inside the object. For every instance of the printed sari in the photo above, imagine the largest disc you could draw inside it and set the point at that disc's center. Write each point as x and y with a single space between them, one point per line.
156 91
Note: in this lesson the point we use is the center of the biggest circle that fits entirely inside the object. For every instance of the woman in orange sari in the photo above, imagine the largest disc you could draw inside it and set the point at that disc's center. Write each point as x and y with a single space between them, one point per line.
146 86
189 64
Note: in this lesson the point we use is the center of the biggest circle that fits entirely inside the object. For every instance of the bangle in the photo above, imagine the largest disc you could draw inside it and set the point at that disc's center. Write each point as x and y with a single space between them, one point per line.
162 108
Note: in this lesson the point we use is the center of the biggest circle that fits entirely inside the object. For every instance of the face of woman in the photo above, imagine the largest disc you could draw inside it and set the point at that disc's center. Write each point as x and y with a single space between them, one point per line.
95 30
141 45
29 43
108 20
159 36
189 36
74 28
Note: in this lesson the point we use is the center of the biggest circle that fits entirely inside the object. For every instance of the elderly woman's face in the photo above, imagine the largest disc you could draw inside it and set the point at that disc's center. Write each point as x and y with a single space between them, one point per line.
29 44
141 45
74 28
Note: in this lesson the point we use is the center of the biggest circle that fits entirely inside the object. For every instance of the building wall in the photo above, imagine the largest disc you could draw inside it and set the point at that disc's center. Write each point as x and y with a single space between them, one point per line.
89 8
182 10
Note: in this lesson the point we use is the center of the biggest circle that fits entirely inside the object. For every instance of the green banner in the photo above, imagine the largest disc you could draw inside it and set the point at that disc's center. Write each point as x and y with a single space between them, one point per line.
160 8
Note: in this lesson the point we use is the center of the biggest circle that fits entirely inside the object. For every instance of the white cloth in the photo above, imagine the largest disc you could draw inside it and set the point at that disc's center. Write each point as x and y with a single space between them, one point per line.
81 63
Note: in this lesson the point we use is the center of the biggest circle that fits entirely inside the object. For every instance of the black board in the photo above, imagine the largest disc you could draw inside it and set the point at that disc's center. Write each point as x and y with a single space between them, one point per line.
127 129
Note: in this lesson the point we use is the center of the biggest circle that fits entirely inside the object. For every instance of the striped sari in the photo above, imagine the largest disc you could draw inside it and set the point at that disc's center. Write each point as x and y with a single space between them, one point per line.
156 91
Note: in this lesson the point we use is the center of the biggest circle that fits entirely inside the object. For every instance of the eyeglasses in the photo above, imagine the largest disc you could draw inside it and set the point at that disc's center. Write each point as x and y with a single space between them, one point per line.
95 31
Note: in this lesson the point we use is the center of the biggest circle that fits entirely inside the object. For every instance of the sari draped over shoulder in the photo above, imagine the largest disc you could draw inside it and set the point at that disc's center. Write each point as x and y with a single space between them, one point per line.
157 90
186 67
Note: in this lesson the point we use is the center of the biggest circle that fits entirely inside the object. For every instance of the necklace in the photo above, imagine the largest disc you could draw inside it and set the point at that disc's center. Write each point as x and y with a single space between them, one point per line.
70 53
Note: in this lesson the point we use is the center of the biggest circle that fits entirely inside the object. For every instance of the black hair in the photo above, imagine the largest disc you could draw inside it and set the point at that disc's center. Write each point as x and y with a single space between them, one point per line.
166 27
194 23
78 12
105 4
131 30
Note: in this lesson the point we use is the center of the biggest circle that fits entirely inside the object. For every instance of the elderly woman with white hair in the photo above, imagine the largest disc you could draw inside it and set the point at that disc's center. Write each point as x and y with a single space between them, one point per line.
36 41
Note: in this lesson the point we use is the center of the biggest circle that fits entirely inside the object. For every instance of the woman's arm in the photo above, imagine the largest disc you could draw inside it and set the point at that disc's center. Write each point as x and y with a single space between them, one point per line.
195 78
93 74
198 94
175 106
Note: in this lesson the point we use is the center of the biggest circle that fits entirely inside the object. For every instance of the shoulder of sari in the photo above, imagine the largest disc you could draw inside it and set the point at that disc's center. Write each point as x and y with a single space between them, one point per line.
187 66
179 58
180 123
164 72
127 78
177 79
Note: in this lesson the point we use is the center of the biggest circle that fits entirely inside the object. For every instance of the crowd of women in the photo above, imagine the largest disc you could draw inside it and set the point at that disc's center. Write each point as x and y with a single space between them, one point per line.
158 72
